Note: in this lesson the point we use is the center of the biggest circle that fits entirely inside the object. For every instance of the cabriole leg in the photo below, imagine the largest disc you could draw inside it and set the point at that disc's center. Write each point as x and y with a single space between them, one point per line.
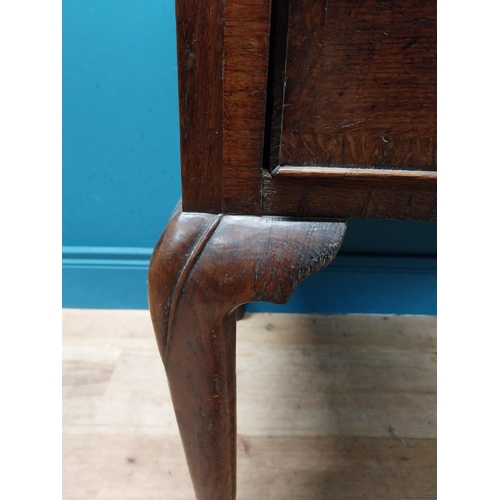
202 269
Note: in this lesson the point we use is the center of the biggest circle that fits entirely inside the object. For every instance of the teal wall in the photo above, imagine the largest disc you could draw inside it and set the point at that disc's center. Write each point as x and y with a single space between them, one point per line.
121 176
120 121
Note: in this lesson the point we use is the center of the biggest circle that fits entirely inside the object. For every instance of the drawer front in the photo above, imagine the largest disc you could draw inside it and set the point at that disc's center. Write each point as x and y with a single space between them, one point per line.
308 108
352 131
360 85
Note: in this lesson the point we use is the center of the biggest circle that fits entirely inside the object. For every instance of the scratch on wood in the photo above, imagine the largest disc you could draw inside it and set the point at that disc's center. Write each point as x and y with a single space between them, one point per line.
409 207
356 123
392 430
366 204
246 446
410 43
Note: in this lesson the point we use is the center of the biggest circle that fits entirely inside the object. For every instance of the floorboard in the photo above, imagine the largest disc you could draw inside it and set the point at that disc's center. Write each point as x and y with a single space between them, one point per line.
329 407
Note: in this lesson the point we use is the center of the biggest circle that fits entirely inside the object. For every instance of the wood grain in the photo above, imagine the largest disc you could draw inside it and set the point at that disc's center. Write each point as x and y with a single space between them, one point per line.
202 269
200 32
316 395
361 84
331 195
359 173
246 53
360 92
223 50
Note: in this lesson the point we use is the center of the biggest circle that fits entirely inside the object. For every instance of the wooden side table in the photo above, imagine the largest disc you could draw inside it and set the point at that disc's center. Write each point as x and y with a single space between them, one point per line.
295 115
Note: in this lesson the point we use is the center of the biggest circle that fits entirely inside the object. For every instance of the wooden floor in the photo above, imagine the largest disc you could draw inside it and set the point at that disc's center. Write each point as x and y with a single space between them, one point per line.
329 407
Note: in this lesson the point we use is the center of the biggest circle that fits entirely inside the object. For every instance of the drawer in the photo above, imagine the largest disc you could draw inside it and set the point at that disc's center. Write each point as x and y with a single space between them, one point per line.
353 124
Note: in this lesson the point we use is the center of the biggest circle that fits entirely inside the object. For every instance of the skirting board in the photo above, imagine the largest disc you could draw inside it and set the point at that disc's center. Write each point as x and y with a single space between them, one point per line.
115 278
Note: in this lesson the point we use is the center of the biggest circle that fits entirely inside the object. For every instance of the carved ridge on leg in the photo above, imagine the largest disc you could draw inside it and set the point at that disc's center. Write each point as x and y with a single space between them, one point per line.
202 269
184 276
179 252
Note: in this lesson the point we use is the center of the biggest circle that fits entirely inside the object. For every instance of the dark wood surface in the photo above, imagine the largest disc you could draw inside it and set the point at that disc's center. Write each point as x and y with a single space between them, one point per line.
223 50
360 92
332 193
246 52
200 44
360 84
202 269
